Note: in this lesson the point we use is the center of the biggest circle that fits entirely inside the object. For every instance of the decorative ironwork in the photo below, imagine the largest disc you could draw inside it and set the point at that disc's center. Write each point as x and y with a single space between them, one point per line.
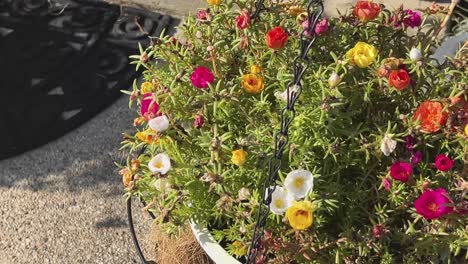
64 61
294 88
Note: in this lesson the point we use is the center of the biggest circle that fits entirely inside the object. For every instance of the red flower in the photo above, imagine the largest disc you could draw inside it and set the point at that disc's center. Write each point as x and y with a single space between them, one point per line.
401 171
276 38
399 79
366 10
432 204
243 20
431 116
443 162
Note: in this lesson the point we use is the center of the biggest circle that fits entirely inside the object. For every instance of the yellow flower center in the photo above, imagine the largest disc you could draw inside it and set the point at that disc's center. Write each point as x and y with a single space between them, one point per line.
279 203
158 164
298 183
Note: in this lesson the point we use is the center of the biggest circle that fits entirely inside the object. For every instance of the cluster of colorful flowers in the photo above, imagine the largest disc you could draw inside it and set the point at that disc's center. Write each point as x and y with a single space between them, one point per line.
425 120
431 115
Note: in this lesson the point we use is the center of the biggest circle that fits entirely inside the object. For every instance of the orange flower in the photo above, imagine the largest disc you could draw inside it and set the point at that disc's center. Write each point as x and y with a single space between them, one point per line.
366 10
252 83
399 79
146 136
276 38
431 116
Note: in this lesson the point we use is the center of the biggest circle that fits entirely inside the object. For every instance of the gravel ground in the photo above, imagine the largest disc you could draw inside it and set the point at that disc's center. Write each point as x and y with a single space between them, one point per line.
63 203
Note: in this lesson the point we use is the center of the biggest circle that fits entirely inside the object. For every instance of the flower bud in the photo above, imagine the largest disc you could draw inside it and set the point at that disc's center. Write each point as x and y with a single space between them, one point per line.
199 121
415 55
254 69
383 71
210 48
199 34
334 79
244 194
425 185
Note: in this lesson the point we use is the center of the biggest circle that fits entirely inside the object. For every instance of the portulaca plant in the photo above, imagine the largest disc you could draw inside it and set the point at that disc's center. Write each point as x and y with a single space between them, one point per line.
377 165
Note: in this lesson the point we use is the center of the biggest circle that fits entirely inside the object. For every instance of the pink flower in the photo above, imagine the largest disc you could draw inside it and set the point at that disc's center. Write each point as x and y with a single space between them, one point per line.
416 158
432 204
412 19
379 230
201 77
305 26
321 27
149 108
443 162
243 20
387 183
401 171
199 121
203 15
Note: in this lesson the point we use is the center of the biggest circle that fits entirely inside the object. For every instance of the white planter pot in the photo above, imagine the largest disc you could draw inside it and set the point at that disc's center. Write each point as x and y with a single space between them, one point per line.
211 247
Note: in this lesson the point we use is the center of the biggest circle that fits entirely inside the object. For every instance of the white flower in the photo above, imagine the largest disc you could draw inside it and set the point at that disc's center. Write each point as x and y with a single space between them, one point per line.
388 145
334 79
299 183
284 95
281 200
162 184
159 123
244 194
415 54
160 163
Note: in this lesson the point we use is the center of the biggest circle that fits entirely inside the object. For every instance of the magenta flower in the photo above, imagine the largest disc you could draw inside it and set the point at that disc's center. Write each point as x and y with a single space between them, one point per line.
387 184
416 158
201 77
321 27
412 19
443 162
401 171
432 204
149 108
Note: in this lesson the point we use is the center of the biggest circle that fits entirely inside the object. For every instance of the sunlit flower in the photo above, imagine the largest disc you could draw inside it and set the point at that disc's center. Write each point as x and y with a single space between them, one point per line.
146 87
299 183
149 108
443 162
214 2
399 79
281 200
415 54
160 163
431 116
159 123
334 79
276 38
239 249
146 136
284 95
366 10
388 145
433 204
252 83
401 171
201 77
300 215
239 157
362 54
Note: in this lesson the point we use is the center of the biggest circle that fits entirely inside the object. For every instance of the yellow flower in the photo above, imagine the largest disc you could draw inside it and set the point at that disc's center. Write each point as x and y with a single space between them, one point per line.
239 248
254 69
362 54
239 157
466 130
146 136
252 83
214 2
300 215
146 87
